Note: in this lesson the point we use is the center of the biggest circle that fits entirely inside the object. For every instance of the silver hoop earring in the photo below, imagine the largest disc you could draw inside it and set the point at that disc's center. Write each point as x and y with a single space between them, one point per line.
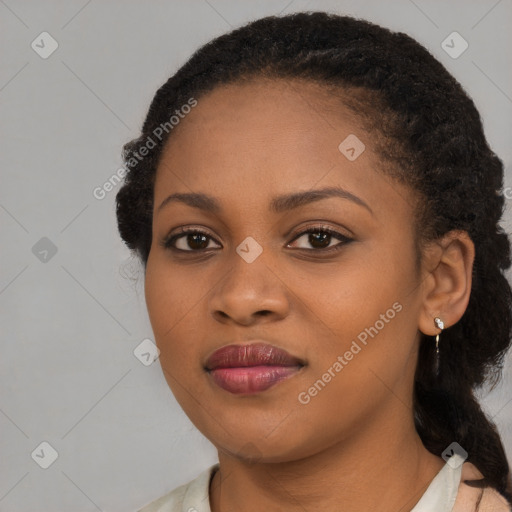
440 325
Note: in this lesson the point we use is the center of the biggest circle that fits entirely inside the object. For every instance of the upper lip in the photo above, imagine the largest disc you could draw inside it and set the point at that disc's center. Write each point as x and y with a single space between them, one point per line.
254 354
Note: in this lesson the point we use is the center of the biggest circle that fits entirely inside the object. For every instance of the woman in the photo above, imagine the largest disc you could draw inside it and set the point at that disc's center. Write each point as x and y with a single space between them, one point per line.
316 208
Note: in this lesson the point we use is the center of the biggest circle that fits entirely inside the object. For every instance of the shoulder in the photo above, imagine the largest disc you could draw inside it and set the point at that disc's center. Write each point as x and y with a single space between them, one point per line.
191 496
169 502
488 499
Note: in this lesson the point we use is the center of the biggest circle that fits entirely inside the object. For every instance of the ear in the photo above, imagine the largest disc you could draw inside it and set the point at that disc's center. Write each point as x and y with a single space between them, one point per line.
447 267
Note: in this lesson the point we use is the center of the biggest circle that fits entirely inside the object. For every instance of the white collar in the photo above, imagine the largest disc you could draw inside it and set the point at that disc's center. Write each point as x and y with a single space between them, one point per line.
440 495
442 492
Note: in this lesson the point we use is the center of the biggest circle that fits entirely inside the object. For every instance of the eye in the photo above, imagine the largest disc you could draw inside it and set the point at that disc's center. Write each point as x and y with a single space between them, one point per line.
320 238
195 239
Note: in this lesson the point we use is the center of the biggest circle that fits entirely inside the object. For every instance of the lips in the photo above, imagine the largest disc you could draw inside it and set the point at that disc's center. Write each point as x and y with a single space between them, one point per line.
251 368
256 354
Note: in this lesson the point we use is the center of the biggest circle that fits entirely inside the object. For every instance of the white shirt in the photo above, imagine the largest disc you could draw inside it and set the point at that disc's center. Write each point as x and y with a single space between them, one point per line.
440 495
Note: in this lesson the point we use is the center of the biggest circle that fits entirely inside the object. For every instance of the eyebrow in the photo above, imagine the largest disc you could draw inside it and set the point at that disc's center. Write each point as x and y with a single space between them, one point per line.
278 204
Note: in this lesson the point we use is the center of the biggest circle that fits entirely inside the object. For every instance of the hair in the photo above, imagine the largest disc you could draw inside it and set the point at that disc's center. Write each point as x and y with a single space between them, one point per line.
428 135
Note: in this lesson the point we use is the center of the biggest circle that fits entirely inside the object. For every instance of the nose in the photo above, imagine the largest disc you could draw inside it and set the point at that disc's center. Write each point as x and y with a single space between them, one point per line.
249 293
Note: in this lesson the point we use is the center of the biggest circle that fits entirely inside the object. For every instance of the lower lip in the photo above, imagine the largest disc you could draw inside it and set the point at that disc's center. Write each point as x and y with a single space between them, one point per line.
251 379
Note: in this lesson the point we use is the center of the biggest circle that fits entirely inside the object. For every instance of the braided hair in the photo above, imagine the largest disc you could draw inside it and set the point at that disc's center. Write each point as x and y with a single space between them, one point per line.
429 136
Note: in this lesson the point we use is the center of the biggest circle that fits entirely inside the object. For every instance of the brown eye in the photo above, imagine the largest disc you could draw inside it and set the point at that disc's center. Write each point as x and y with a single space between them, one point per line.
188 240
320 238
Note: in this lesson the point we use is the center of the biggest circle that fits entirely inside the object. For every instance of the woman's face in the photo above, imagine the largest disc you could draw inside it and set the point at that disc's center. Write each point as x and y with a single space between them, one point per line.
262 269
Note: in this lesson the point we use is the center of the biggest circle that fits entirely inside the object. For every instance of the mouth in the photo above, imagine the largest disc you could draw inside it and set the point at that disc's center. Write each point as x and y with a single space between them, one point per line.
249 369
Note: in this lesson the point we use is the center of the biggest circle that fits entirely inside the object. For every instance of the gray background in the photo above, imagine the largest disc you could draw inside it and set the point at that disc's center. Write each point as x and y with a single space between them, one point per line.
70 324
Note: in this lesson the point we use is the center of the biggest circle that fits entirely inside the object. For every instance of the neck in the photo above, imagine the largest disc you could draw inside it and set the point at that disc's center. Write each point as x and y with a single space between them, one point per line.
382 467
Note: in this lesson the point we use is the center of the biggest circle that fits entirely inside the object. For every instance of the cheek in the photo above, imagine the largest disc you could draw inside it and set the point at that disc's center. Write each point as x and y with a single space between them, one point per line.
346 297
173 299
362 311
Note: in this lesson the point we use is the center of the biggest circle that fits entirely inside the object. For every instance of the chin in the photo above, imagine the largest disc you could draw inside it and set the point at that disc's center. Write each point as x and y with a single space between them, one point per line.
258 448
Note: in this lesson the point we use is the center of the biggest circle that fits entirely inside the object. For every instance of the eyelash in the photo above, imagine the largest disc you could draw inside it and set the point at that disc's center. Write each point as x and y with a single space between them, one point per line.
168 242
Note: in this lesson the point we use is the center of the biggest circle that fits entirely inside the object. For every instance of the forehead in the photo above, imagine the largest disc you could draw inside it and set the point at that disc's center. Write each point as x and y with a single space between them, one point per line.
247 141
262 123
258 109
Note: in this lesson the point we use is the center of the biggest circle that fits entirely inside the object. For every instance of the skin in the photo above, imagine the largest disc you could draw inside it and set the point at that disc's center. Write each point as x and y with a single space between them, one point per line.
354 445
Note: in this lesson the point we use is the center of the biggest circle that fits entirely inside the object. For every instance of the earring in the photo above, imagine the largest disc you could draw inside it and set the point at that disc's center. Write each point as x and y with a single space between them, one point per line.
440 325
